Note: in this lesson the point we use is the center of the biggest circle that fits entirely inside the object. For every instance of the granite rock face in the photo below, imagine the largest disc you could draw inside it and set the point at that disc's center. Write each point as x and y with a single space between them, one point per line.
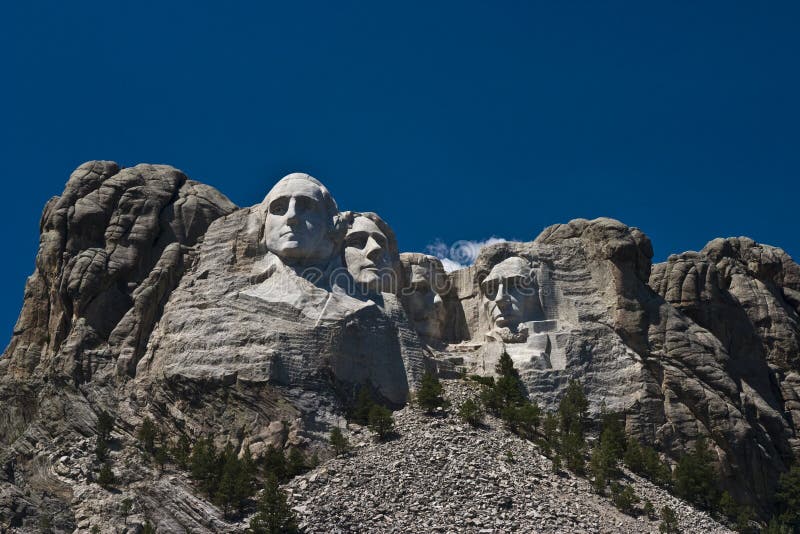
154 296
112 248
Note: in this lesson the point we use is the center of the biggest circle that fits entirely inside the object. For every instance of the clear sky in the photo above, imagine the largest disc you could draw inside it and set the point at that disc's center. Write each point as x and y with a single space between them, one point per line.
453 120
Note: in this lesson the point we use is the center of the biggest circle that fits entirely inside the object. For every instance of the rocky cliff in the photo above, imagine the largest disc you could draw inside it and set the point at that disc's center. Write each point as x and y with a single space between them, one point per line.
154 296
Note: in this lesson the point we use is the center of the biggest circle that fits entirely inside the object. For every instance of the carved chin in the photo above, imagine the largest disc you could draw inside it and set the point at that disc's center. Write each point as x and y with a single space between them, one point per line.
368 277
508 335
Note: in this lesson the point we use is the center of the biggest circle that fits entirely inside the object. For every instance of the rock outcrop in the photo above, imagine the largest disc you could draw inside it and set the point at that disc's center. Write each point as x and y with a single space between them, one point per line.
154 296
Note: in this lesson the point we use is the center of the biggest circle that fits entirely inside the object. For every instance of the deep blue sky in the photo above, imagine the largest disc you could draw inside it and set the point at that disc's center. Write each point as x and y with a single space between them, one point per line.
453 120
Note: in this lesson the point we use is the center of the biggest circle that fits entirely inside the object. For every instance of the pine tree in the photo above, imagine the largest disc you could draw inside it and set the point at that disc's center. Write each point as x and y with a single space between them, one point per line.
788 498
101 449
607 452
572 413
624 498
296 464
204 465
381 421
696 477
161 457
105 424
339 442
669 521
147 435
429 395
550 428
273 514
364 404
148 528
182 451
471 412
227 492
274 463
106 476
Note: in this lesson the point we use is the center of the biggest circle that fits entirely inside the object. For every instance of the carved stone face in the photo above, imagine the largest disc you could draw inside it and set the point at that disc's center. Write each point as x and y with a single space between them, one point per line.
299 221
509 296
421 276
366 254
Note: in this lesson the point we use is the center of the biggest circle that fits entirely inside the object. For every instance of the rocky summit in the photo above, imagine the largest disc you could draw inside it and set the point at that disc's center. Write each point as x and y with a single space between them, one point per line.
162 321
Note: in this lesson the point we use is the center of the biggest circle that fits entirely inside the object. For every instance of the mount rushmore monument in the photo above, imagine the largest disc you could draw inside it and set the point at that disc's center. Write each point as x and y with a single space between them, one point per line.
154 296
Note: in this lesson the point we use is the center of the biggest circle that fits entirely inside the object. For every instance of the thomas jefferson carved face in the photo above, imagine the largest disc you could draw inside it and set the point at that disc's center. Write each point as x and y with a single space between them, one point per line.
366 254
299 221
509 297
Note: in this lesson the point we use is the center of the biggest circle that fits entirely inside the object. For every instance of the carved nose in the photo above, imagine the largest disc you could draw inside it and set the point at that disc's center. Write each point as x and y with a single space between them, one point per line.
291 211
373 249
502 294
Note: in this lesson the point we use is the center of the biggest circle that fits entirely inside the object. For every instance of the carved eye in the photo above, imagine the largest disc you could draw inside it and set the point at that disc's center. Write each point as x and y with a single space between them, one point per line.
357 240
303 204
490 289
380 239
279 206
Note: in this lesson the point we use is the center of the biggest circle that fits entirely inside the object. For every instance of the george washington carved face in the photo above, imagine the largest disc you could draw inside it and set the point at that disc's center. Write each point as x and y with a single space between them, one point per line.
300 220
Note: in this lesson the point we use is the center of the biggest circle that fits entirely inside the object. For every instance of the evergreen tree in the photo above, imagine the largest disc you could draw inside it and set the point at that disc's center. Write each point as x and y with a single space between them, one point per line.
471 412
101 449
148 528
106 476
182 451
161 457
644 461
696 477
147 435
727 506
296 464
364 403
607 452
787 498
274 463
429 395
381 421
572 413
624 498
649 510
105 424
550 428
507 390
339 442
227 492
572 410
522 419
273 514
669 521
204 465
125 508
776 527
